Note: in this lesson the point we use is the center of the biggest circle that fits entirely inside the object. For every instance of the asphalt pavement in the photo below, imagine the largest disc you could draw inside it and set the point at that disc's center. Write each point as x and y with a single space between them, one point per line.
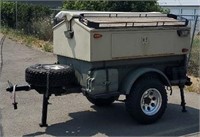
73 115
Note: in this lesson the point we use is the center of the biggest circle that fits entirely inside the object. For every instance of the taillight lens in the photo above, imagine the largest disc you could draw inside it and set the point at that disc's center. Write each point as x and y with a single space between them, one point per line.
96 36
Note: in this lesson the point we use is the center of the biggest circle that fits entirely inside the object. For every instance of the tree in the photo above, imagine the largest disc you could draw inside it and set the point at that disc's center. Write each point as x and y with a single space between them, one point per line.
103 5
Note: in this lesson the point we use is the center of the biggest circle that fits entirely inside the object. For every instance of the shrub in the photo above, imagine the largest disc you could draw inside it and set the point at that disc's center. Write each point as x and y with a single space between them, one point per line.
23 17
42 28
103 5
47 47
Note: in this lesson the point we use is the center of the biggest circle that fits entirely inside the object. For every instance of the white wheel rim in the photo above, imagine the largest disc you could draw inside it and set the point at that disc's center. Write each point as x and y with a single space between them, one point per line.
55 67
151 101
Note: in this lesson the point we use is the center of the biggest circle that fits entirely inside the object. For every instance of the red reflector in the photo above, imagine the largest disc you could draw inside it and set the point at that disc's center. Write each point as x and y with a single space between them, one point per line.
185 50
96 36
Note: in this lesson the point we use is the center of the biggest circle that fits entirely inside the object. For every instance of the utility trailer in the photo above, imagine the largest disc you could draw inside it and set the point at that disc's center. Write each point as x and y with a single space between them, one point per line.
108 54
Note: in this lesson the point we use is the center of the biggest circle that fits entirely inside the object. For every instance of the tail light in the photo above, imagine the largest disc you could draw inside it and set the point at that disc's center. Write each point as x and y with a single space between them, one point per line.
96 35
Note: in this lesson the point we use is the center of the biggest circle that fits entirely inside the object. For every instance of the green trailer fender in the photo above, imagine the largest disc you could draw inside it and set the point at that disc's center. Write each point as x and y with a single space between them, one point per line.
135 74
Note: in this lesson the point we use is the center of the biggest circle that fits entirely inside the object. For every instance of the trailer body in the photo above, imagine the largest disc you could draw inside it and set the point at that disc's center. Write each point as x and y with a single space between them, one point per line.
120 41
106 47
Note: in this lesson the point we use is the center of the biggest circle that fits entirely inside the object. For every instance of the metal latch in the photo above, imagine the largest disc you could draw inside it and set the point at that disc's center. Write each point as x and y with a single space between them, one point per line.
69 34
90 83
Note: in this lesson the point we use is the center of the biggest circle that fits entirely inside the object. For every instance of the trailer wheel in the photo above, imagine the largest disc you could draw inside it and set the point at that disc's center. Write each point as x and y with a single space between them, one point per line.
102 101
59 75
147 101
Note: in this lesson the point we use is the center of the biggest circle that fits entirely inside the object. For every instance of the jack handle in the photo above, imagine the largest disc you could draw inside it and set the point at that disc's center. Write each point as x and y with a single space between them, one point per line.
14 97
13 88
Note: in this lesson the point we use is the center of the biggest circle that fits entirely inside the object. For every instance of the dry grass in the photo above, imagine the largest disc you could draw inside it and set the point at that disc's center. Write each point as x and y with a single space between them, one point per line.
195 87
194 63
194 66
28 40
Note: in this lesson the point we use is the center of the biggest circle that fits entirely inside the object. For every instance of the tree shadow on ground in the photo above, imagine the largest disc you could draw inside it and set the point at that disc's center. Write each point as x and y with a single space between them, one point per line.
115 121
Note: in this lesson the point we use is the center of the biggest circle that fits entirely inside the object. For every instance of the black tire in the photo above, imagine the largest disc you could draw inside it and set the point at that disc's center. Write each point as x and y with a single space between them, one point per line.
102 101
147 100
59 75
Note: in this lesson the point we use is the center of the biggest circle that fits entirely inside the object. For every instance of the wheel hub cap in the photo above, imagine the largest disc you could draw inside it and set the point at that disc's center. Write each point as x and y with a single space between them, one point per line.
151 101
147 101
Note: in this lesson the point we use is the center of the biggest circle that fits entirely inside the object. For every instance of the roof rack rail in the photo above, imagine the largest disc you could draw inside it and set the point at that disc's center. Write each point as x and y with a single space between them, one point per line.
111 20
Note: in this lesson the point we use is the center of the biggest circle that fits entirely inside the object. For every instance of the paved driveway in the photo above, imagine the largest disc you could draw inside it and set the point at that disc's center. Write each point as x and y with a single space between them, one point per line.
73 115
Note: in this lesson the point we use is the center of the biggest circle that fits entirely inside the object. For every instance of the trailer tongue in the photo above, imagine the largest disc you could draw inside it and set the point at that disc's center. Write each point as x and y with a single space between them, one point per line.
108 54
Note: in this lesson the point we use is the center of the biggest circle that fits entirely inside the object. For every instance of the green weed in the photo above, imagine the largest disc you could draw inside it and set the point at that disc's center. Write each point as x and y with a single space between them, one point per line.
48 47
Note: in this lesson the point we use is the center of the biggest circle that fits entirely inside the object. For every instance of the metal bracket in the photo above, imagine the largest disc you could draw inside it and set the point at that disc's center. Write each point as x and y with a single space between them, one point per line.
69 34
